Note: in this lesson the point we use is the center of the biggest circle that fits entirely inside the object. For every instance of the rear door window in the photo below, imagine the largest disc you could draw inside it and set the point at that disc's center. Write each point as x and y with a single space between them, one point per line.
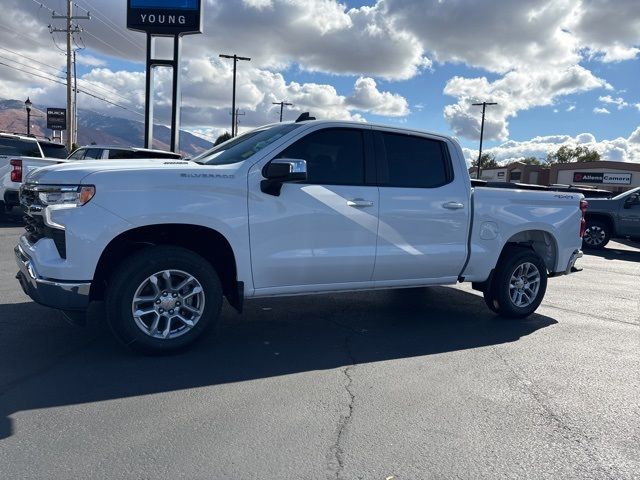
93 153
413 161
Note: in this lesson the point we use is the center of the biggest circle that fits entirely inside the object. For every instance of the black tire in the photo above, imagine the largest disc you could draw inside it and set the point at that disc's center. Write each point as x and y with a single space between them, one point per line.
499 297
597 235
132 275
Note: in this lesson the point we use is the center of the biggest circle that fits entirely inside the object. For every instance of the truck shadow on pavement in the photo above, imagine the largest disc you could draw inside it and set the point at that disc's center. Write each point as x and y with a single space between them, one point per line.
46 363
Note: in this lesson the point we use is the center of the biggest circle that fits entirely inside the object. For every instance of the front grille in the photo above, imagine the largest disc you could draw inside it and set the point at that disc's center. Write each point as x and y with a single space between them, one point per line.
34 223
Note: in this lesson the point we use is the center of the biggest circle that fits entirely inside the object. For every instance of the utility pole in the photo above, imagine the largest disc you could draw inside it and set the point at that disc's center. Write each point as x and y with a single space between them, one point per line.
484 108
233 100
237 120
69 30
75 100
282 104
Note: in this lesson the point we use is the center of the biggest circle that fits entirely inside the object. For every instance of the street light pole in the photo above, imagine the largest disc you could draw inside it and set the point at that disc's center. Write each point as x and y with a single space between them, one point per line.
282 104
27 105
484 108
233 100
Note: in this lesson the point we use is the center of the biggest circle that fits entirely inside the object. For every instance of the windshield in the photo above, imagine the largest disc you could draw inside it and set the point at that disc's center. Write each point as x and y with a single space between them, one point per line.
240 148
54 150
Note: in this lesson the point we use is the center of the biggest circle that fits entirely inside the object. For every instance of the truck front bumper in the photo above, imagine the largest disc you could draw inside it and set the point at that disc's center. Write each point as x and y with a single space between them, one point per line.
63 295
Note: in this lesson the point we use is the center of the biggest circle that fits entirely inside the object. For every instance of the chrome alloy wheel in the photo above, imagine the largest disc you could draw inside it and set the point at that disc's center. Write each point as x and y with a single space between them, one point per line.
524 284
168 304
594 236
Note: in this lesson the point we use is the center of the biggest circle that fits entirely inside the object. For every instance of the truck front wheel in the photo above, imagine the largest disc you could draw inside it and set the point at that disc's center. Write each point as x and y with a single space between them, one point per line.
162 299
519 284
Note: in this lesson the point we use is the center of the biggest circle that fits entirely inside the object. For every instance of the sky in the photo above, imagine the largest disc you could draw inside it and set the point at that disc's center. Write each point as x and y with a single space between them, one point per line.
563 72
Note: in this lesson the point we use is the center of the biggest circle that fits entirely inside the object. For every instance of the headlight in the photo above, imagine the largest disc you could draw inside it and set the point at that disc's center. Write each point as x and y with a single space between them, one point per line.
71 195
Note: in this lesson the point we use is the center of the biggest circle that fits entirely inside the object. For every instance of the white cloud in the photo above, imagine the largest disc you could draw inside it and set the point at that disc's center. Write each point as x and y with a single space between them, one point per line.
619 149
368 98
610 29
533 50
571 108
618 102
206 96
601 111
516 91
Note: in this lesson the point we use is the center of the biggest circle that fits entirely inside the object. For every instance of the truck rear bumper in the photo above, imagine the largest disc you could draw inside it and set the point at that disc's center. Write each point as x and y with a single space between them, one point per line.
572 261
63 295
11 198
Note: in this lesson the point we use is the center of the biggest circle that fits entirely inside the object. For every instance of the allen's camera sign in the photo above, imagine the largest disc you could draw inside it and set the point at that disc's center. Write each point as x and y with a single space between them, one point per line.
165 17
600 177
57 119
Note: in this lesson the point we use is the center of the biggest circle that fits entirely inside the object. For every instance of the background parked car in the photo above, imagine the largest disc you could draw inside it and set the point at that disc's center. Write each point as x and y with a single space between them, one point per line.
102 152
618 217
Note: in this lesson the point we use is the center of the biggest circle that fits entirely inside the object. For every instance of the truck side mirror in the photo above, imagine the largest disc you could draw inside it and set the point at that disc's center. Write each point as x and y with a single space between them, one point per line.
631 201
280 171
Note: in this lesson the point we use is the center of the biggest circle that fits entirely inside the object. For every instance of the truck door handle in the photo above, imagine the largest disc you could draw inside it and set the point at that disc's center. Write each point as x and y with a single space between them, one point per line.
453 205
359 203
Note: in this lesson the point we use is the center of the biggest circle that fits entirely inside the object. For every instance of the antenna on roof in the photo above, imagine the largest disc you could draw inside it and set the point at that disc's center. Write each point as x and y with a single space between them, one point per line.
304 117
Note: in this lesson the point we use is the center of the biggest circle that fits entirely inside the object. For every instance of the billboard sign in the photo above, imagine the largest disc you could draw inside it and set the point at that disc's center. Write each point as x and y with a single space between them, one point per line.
602 177
165 17
57 119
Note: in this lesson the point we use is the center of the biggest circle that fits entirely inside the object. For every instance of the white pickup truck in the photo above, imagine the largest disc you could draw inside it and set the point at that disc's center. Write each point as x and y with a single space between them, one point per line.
19 155
286 209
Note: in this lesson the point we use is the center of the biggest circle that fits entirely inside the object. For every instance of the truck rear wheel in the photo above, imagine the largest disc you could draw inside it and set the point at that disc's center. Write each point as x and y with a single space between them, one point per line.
162 299
519 284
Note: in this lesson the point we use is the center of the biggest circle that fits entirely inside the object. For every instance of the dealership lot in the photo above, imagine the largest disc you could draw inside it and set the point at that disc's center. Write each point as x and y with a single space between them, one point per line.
406 384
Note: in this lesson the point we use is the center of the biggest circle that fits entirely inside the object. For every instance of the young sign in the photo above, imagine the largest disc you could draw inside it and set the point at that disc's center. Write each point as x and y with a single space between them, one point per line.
165 17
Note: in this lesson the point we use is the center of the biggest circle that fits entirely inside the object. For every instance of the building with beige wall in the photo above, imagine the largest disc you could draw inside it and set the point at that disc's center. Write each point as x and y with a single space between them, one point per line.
616 177
516 172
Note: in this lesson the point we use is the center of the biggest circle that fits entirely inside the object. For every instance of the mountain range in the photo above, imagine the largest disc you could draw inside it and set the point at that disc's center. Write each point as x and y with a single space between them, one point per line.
96 128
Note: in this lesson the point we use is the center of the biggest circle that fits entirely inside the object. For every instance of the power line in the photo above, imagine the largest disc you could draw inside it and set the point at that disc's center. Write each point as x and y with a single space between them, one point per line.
58 70
25 65
112 26
105 43
42 5
30 59
85 92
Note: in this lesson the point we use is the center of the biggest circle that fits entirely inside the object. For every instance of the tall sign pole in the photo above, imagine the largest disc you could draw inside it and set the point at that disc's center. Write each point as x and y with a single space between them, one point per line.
234 130
484 108
164 18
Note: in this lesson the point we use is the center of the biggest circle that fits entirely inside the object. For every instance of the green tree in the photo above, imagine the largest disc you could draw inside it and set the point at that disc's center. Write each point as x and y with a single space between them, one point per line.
566 154
488 161
222 138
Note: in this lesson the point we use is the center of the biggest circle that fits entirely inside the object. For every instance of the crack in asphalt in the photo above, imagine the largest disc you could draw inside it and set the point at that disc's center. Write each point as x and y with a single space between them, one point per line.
336 460
581 440
590 315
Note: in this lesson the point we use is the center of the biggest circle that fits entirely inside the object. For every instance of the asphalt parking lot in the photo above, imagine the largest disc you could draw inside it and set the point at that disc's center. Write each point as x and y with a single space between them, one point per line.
414 384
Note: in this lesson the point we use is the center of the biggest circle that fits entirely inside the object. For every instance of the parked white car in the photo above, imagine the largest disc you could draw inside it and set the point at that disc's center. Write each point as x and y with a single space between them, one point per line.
286 209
